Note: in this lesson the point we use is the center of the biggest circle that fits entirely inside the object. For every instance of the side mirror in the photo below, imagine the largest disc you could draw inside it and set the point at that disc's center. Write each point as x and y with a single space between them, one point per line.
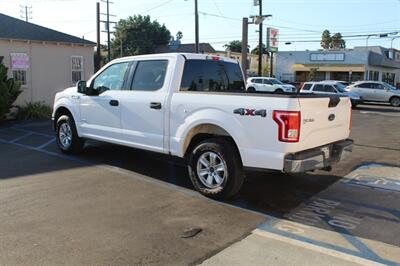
81 86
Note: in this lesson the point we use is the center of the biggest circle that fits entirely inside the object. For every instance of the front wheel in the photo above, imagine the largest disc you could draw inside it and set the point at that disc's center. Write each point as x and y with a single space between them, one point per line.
279 91
395 101
67 137
215 169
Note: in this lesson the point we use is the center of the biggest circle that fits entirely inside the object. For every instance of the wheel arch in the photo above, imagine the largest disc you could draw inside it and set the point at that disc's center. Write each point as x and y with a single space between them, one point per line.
394 96
205 131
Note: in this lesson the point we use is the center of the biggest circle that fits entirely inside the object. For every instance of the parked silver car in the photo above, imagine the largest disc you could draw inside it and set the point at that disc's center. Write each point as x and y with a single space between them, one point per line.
331 87
376 91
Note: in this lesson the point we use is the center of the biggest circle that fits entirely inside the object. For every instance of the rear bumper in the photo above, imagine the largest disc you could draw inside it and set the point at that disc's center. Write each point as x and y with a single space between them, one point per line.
317 158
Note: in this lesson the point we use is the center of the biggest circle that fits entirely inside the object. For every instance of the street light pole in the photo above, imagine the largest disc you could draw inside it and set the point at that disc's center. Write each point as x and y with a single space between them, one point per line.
196 18
260 48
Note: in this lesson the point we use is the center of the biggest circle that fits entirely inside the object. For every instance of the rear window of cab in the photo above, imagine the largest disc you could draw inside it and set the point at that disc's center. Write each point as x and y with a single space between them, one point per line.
212 75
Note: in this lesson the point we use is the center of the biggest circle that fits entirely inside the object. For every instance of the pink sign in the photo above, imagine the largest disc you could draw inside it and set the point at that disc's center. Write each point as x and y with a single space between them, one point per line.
19 61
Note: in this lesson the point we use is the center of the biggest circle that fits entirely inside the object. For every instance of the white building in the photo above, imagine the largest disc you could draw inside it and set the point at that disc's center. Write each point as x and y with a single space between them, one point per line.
43 60
360 63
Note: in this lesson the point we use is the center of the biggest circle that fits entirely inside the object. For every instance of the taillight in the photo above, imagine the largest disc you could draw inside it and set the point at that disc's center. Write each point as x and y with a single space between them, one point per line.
351 118
288 125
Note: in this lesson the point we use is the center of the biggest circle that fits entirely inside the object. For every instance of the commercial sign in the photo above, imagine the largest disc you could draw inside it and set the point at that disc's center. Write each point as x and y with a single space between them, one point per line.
19 61
272 39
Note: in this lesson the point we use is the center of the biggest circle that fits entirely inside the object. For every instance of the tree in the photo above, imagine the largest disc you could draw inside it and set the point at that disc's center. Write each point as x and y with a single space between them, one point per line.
255 50
138 35
326 39
312 74
179 36
337 41
234 46
9 92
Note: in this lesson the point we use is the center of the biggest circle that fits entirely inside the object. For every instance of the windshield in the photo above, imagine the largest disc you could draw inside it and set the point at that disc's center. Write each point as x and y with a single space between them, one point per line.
340 87
388 86
275 81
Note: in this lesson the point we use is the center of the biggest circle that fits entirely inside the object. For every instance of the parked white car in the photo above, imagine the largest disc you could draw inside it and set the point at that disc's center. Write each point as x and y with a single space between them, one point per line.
265 84
331 87
376 91
196 107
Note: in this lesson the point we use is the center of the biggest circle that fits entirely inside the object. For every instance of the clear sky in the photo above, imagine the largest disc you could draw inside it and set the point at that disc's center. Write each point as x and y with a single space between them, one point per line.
220 20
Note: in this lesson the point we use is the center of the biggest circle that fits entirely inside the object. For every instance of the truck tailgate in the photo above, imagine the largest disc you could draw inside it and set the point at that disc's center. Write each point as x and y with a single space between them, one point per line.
324 120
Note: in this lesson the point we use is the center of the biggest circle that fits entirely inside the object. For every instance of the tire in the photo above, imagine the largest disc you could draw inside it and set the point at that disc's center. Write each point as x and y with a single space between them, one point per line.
251 89
67 137
225 183
279 91
395 101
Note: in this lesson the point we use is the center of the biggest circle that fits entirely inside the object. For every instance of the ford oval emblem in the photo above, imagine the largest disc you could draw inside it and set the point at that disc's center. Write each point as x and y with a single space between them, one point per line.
331 117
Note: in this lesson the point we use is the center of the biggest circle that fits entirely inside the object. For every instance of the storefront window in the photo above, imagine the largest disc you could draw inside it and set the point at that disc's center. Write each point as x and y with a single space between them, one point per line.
373 75
388 77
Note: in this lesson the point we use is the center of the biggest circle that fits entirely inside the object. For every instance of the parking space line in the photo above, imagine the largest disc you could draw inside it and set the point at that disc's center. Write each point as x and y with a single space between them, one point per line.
21 137
318 248
363 254
62 156
46 144
31 131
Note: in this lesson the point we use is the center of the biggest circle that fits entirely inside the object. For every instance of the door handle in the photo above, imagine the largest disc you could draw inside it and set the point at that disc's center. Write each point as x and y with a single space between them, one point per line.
114 103
154 105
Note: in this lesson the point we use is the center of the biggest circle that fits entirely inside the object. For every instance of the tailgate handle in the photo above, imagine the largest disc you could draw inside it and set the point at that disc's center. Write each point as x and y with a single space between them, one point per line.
333 101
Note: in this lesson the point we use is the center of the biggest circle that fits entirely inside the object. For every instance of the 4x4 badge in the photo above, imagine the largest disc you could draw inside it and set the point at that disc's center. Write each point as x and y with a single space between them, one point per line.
250 112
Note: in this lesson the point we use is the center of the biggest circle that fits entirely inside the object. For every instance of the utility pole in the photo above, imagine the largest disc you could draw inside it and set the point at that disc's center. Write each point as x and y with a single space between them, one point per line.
26 12
196 22
98 52
260 48
107 24
245 33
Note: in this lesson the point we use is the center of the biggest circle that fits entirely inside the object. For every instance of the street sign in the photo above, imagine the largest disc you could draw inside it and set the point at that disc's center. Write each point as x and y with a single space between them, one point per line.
272 39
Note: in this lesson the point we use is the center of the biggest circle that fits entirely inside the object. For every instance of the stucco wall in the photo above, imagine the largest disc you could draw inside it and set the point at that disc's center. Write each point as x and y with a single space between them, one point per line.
50 67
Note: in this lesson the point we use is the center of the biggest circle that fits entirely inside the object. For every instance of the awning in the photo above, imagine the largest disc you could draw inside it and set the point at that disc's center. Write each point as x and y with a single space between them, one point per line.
329 67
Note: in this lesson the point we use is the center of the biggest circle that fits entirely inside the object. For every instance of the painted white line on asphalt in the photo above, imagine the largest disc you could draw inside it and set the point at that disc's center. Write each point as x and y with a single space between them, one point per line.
19 138
316 248
381 113
46 144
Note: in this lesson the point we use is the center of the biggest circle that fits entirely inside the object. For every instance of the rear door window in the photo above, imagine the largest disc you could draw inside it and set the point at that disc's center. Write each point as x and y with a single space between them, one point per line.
208 75
149 75
258 81
319 88
268 82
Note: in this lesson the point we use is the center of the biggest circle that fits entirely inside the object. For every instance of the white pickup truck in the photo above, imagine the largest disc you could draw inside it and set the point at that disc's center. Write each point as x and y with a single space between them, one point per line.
196 107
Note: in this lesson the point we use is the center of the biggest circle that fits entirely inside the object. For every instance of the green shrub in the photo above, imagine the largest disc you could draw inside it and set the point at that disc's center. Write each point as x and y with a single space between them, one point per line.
34 110
9 92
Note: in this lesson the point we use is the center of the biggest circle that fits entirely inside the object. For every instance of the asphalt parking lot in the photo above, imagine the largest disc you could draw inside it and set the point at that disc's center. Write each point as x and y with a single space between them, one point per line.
116 205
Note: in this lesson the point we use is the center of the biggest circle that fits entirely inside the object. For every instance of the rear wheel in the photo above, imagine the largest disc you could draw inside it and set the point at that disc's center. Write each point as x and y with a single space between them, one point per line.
215 169
67 137
395 101
251 89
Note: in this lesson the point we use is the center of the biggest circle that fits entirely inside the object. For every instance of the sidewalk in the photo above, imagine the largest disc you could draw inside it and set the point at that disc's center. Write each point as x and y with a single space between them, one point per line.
353 222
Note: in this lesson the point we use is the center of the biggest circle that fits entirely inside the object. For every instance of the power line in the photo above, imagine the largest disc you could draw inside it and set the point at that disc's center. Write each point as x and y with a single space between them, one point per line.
157 6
